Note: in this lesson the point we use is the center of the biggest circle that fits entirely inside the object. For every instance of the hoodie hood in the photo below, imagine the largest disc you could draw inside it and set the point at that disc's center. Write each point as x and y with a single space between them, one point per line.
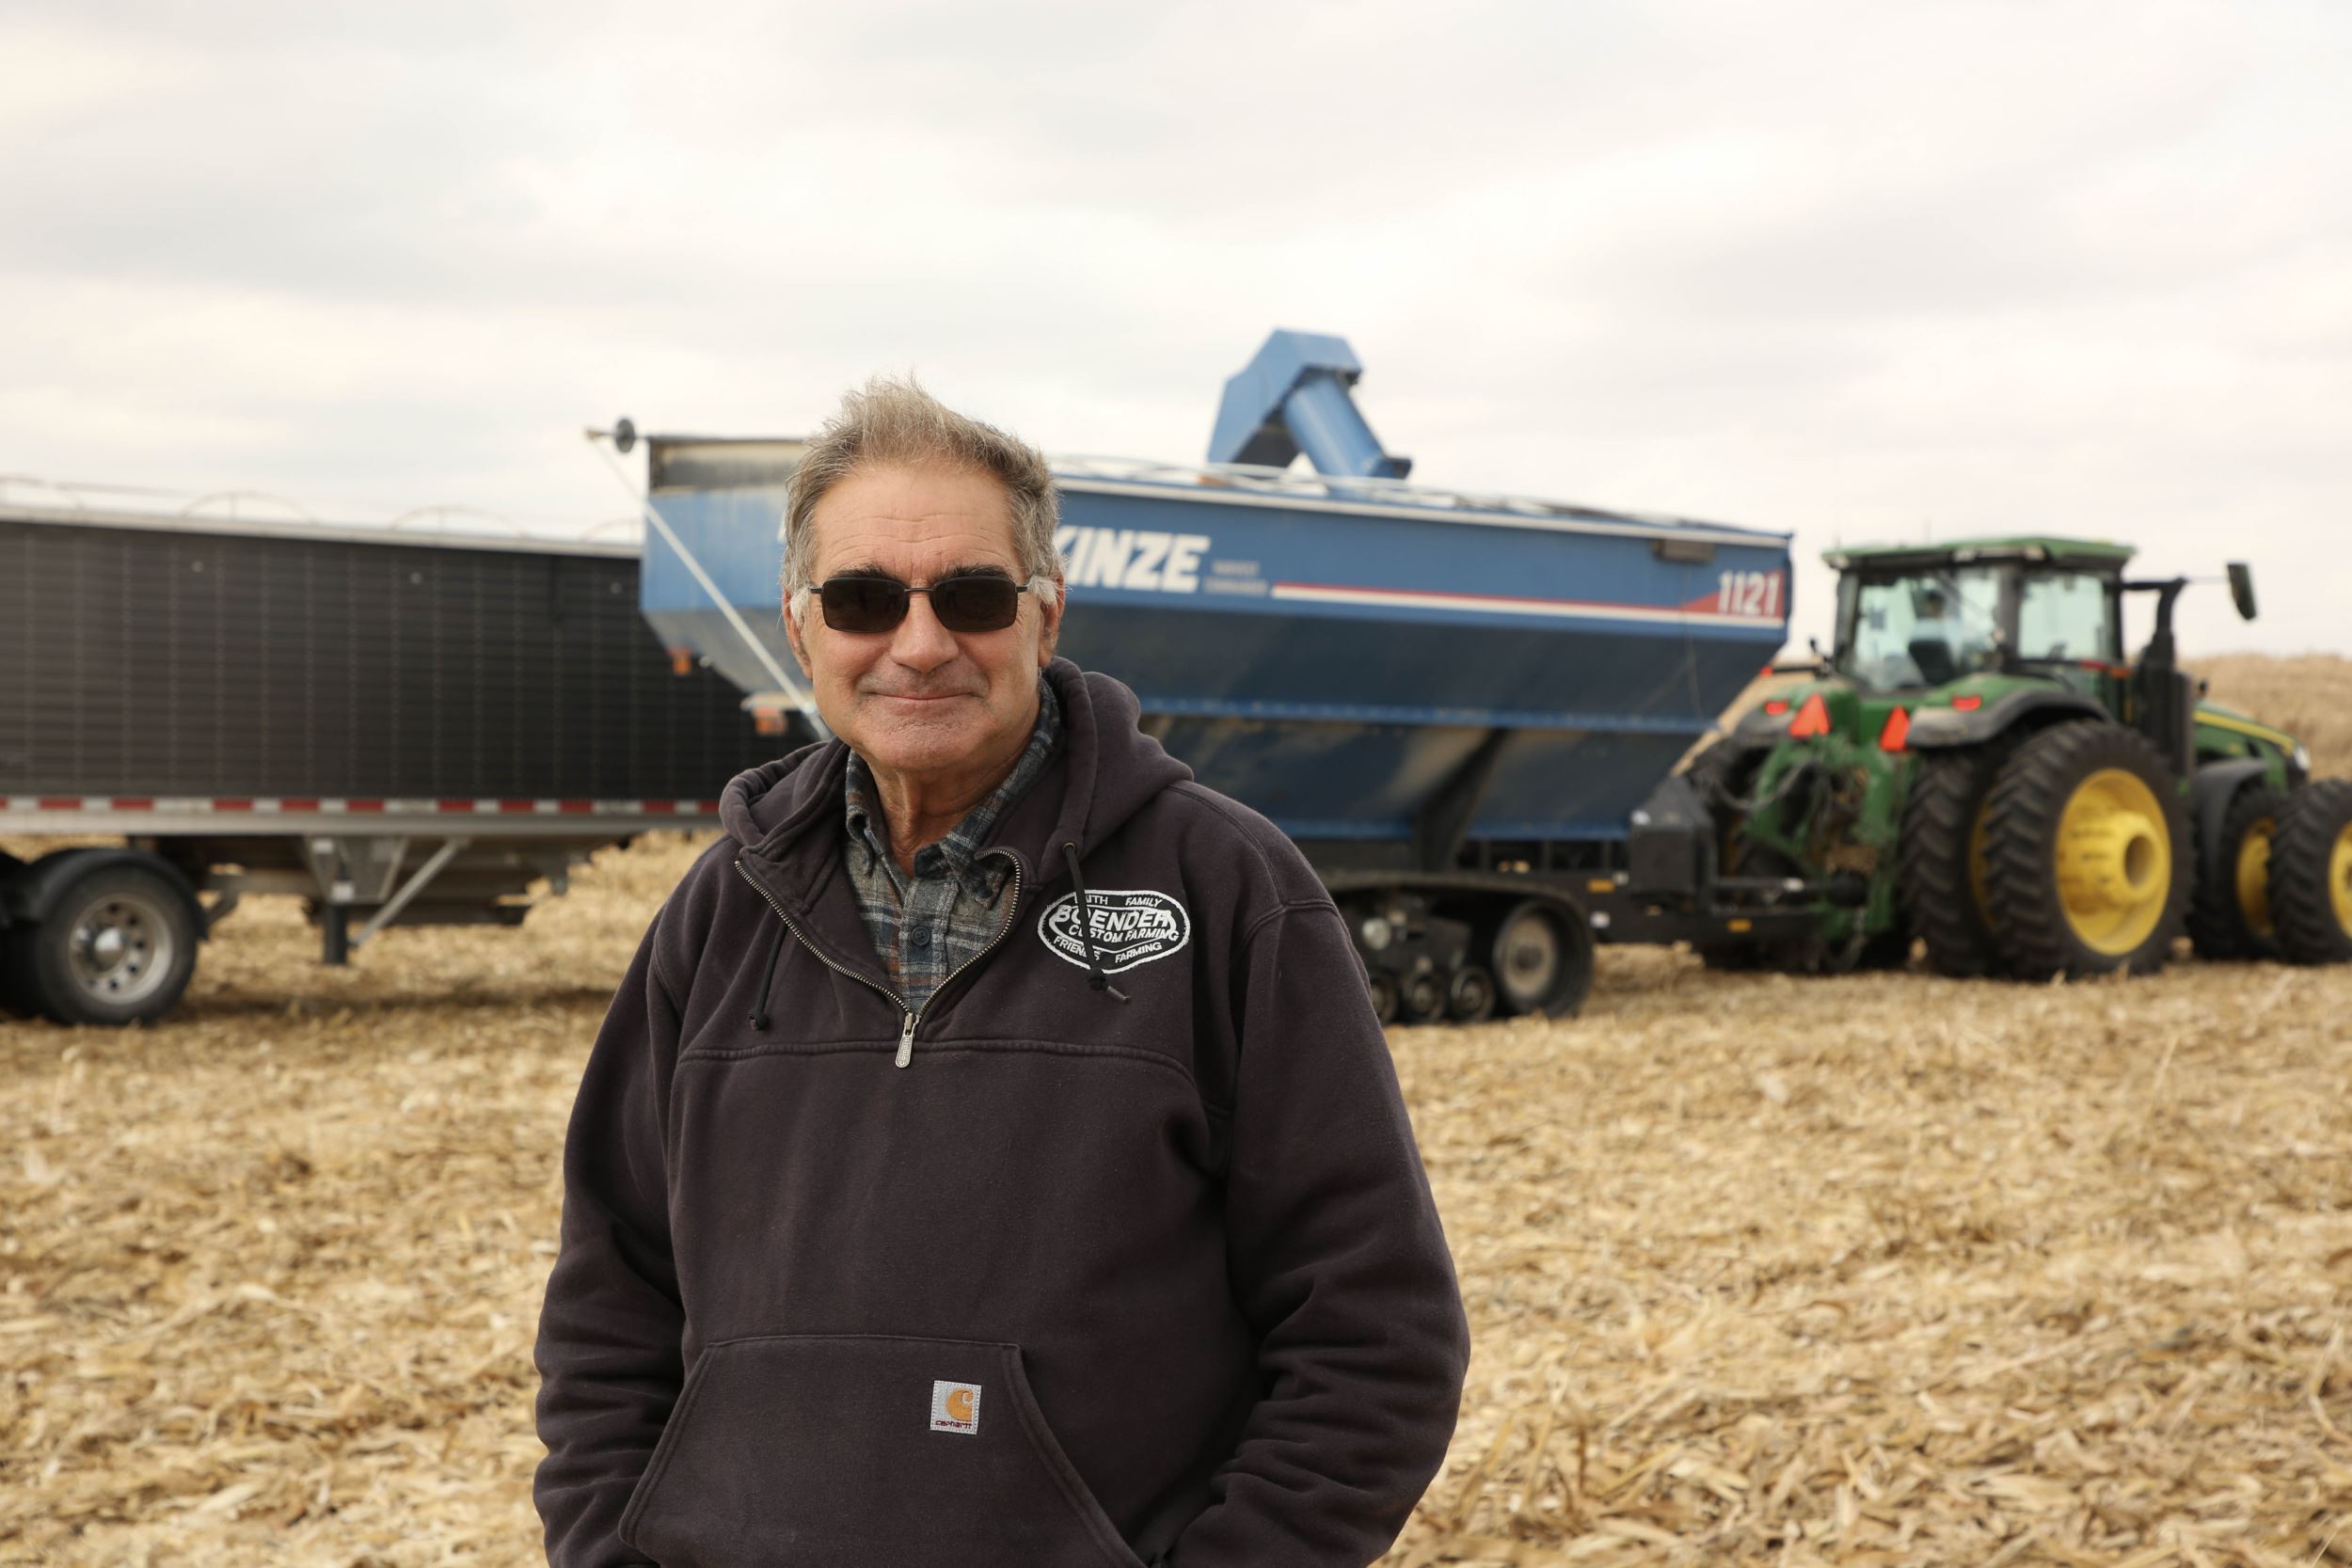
1105 771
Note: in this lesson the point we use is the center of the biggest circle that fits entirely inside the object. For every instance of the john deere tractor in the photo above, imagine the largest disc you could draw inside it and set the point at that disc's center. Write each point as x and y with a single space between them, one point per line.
1977 766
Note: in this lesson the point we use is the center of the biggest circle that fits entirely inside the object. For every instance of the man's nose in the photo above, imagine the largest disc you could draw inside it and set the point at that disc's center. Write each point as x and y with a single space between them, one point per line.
921 643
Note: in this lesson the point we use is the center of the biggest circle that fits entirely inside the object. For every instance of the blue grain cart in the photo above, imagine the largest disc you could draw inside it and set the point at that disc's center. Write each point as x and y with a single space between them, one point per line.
1452 702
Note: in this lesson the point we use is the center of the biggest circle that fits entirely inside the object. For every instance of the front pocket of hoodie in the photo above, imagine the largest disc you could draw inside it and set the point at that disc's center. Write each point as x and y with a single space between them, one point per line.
820 1451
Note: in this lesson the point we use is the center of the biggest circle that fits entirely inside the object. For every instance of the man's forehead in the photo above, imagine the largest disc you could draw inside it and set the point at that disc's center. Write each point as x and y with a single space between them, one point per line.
929 515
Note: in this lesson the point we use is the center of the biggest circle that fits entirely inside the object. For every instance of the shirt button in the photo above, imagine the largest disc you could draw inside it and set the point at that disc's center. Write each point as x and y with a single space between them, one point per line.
921 939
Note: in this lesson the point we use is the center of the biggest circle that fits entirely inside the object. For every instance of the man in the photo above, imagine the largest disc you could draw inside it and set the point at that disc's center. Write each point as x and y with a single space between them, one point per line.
991 1158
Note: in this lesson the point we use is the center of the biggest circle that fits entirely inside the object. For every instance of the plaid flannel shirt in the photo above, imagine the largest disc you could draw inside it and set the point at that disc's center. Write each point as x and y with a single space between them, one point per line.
926 925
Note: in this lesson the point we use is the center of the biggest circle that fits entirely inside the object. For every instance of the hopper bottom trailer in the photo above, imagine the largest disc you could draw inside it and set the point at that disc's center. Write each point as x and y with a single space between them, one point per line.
392 726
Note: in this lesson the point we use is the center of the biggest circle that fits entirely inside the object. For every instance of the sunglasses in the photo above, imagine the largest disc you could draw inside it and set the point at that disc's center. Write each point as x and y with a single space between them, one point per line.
971 601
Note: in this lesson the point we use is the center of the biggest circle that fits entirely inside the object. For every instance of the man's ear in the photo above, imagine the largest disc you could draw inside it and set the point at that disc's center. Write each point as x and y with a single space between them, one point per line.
793 635
1049 623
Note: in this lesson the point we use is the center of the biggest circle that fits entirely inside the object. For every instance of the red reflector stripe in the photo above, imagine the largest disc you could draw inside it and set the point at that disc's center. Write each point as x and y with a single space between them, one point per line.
1967 704
363 805
576 807
239 803
133 802
661 807
1777 707
61 803
299 802
452 805
512 807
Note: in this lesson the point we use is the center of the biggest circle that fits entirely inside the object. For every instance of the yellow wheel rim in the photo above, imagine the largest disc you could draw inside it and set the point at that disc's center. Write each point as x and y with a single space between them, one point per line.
2254 876
2114 861
2339 877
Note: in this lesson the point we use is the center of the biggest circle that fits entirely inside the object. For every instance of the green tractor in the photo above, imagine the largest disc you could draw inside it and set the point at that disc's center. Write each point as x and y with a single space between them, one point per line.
1975 766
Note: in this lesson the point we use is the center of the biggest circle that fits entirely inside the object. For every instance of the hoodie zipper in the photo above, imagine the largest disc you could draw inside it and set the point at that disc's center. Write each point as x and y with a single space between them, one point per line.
914 1015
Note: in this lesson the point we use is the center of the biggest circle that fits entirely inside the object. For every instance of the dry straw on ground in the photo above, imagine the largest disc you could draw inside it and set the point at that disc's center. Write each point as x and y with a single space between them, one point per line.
1869 1271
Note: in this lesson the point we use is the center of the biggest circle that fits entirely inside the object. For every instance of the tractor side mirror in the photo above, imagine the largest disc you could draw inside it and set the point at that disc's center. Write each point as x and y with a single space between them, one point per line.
2242 589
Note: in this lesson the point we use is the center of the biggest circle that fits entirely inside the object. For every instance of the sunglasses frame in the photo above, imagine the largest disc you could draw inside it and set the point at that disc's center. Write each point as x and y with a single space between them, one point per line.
906 592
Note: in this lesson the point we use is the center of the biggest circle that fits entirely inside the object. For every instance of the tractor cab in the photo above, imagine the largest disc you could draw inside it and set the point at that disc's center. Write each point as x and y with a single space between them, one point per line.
1919 619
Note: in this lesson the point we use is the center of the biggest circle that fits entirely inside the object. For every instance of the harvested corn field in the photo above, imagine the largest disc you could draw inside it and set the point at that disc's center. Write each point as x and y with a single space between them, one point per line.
1886 1269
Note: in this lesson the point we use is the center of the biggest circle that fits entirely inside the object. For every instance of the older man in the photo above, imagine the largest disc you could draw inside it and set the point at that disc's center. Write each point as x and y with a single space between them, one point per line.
991 1158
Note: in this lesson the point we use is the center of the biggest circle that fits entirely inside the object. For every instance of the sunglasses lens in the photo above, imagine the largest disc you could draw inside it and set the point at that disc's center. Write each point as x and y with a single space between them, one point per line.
976 603
863 603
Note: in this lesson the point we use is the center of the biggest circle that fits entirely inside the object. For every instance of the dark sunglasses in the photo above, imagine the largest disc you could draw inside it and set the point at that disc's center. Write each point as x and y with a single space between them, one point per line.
974 601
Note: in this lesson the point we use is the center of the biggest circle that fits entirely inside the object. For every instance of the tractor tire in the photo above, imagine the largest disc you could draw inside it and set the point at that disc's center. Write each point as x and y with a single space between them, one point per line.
1939 878
2088 863
2229 915
2310 874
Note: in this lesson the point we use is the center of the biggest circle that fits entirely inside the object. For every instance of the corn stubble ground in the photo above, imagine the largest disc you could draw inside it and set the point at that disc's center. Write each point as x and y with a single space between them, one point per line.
1886 1269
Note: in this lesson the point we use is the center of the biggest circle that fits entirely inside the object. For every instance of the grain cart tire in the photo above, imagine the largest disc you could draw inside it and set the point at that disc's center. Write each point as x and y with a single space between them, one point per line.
2086 853
1939 859
117 947
1384 998
2229 914
16 987
2310 874
1543 958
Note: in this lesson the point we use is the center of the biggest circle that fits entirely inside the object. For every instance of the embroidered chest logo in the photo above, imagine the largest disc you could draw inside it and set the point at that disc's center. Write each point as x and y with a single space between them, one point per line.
1128 928
956 1407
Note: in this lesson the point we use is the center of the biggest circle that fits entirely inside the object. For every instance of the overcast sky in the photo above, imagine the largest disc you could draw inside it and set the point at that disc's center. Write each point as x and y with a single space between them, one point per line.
1859 271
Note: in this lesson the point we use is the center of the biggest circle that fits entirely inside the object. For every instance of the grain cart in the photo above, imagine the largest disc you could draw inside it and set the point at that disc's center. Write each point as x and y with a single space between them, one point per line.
1977 766
1451 701
391 723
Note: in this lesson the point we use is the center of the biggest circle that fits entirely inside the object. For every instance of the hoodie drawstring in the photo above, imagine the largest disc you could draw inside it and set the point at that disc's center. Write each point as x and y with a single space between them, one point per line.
1095 977
767 978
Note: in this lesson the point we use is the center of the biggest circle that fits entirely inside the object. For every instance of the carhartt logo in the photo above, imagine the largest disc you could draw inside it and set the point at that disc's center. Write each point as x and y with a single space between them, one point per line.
956 1407
1129 927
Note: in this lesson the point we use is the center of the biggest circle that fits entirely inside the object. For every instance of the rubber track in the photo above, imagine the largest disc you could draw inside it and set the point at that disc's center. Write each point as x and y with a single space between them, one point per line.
2020 837
2304 840
1931 859
2217 927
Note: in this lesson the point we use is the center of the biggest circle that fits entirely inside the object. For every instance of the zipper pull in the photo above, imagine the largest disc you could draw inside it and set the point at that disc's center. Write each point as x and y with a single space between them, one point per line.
906 1040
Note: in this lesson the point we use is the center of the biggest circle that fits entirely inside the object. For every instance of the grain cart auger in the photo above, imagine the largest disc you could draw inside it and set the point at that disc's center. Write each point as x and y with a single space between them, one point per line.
1975 766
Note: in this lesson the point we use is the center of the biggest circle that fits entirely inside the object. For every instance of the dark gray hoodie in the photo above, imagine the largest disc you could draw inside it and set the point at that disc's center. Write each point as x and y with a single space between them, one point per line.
1084 1281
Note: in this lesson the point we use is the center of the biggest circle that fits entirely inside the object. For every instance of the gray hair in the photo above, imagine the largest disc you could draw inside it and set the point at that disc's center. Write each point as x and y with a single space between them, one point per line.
893 423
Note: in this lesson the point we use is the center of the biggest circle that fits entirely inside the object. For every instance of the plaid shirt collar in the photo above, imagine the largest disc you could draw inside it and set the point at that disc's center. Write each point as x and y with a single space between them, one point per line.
953 856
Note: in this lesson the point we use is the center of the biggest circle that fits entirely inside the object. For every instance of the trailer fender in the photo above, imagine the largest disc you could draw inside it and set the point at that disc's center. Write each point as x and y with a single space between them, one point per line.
28 897
2211 788
1938 729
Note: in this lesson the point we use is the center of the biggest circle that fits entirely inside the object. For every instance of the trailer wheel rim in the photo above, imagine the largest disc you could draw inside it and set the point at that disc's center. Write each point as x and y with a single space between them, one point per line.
1530 965
2253 877
120 949
2113 862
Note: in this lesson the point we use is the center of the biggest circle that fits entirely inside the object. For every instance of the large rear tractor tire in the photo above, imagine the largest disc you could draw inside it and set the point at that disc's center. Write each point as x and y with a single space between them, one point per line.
2087 854
2310 874
1939 859
2229 915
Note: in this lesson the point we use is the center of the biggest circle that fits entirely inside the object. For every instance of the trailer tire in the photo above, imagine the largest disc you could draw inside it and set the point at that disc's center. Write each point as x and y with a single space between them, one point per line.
2310 874
1543 958
117 948
2229 914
